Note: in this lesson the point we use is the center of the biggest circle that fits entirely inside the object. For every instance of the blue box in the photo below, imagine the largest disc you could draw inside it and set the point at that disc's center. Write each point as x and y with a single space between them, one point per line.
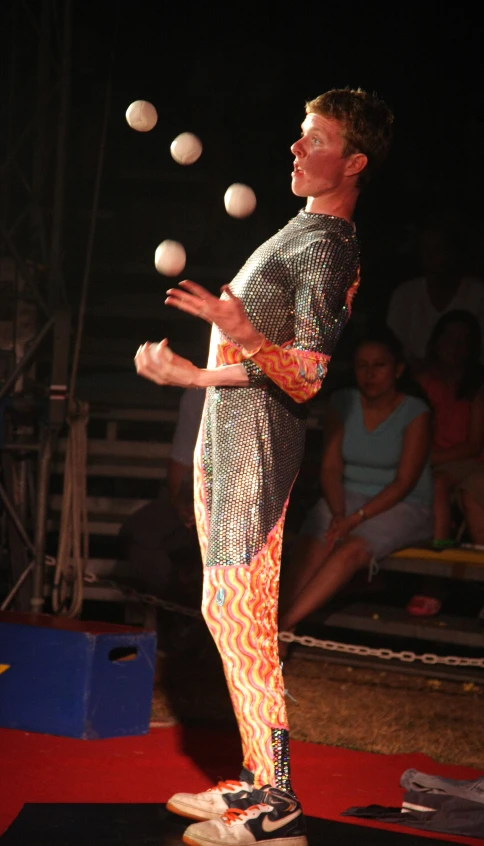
75 679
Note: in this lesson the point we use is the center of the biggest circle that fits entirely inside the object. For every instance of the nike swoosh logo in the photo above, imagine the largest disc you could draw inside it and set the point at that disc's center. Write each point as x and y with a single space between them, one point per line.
272 825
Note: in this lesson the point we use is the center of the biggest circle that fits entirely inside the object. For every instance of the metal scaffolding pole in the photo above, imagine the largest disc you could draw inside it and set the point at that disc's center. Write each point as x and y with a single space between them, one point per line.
36 54
56 287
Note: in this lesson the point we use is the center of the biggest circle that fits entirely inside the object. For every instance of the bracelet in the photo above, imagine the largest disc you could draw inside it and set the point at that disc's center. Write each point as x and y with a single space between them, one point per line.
250 353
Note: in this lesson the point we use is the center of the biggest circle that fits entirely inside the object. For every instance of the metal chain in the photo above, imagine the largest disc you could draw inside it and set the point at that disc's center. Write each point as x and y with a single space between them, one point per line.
406 657
385 654
145 598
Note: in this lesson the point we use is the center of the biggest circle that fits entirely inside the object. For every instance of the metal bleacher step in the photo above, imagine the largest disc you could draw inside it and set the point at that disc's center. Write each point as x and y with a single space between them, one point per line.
106 514
455 563
109 528
170 415
104 506
124 468
99 593
155 415
116 458
103 447
106 569
390 621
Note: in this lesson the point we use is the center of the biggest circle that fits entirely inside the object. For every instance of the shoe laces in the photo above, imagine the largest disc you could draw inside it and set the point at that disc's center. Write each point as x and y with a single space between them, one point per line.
233 815
225 785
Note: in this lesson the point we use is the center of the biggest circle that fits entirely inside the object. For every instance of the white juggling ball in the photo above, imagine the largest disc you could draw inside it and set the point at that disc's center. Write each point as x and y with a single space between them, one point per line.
239 200
153 352
141 115
186 148
170 258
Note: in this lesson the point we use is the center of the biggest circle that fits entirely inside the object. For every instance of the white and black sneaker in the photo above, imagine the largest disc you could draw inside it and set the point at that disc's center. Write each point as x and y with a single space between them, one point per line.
212 803
267 816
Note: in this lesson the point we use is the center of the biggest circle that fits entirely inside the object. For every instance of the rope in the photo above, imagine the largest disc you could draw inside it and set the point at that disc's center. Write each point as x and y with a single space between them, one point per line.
92 227
73 542
73 548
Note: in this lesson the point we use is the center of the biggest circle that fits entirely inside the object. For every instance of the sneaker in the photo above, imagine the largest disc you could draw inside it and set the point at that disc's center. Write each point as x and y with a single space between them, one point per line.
268 816
212 803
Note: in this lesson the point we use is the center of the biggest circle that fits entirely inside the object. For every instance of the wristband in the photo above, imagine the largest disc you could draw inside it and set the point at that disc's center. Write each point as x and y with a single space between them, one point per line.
249 353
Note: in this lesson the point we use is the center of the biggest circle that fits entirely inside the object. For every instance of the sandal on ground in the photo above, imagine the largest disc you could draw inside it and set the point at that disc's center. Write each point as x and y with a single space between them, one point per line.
423 606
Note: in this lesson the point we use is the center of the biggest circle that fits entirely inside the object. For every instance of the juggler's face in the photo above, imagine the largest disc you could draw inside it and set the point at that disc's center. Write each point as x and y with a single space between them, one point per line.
319 164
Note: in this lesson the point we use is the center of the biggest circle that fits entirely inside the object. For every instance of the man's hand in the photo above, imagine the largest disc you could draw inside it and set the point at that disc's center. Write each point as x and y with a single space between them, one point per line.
227 313
160 364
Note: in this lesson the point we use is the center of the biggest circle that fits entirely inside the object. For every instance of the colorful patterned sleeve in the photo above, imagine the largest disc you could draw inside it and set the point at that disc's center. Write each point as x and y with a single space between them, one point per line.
327 278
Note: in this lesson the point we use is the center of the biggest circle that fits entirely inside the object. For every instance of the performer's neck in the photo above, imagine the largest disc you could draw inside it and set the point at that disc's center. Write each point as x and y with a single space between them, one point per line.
337 205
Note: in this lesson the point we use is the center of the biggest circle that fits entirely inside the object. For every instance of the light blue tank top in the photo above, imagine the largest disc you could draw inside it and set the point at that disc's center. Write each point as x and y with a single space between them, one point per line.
371 458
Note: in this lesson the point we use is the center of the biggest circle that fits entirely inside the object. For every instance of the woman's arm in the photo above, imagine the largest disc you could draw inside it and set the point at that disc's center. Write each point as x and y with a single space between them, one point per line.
415 451
332 464
473 445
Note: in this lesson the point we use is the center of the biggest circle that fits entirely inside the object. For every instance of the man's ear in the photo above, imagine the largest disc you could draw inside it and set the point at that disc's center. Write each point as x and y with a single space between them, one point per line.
355 163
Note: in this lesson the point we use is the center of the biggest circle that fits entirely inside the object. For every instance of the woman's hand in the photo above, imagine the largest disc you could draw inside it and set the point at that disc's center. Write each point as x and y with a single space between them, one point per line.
160 364
340 527
227 312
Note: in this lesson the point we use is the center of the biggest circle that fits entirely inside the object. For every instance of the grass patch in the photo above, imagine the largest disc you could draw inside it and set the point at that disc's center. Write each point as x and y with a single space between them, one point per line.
371 710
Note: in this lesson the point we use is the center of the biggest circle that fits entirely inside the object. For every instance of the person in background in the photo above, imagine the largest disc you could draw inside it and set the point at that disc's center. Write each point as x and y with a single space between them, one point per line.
416 305
179 478
375 479
453 379
159 540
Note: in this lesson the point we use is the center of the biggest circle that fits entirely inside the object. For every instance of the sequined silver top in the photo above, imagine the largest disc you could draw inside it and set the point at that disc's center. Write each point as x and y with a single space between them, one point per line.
294 289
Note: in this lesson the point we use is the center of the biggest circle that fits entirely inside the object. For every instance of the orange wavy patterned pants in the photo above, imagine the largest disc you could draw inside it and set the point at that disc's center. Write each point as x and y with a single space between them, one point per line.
240 606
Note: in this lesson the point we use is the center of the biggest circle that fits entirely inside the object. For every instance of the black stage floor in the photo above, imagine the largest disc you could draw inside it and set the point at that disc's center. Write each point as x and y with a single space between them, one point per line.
150 825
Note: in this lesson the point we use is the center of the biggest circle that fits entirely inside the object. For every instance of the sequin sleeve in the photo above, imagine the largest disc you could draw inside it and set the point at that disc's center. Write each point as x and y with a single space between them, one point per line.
327 277
257 377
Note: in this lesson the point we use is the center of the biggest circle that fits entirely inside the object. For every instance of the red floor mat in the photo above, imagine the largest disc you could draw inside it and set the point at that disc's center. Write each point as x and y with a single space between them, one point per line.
44 768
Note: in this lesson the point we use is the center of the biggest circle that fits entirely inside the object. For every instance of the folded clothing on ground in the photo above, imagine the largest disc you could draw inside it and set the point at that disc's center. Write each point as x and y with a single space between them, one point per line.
433 803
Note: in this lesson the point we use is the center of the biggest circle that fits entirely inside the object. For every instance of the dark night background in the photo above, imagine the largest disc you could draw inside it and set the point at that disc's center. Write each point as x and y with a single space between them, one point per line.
238 76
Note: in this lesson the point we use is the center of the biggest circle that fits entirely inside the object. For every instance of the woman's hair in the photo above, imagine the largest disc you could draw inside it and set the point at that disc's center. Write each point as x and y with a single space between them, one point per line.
473 375
382 334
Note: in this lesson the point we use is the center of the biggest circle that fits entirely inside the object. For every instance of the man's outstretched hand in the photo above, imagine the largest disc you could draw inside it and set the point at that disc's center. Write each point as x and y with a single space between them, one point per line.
227 312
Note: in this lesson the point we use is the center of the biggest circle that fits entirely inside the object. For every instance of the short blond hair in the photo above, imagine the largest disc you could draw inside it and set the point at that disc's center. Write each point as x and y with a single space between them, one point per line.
366 124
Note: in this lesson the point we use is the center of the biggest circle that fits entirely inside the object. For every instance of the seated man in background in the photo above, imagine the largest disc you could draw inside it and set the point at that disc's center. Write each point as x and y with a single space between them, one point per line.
160 539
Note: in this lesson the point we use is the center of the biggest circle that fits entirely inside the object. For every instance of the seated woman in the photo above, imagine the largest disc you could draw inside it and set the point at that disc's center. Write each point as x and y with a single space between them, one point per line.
375 478
453 380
